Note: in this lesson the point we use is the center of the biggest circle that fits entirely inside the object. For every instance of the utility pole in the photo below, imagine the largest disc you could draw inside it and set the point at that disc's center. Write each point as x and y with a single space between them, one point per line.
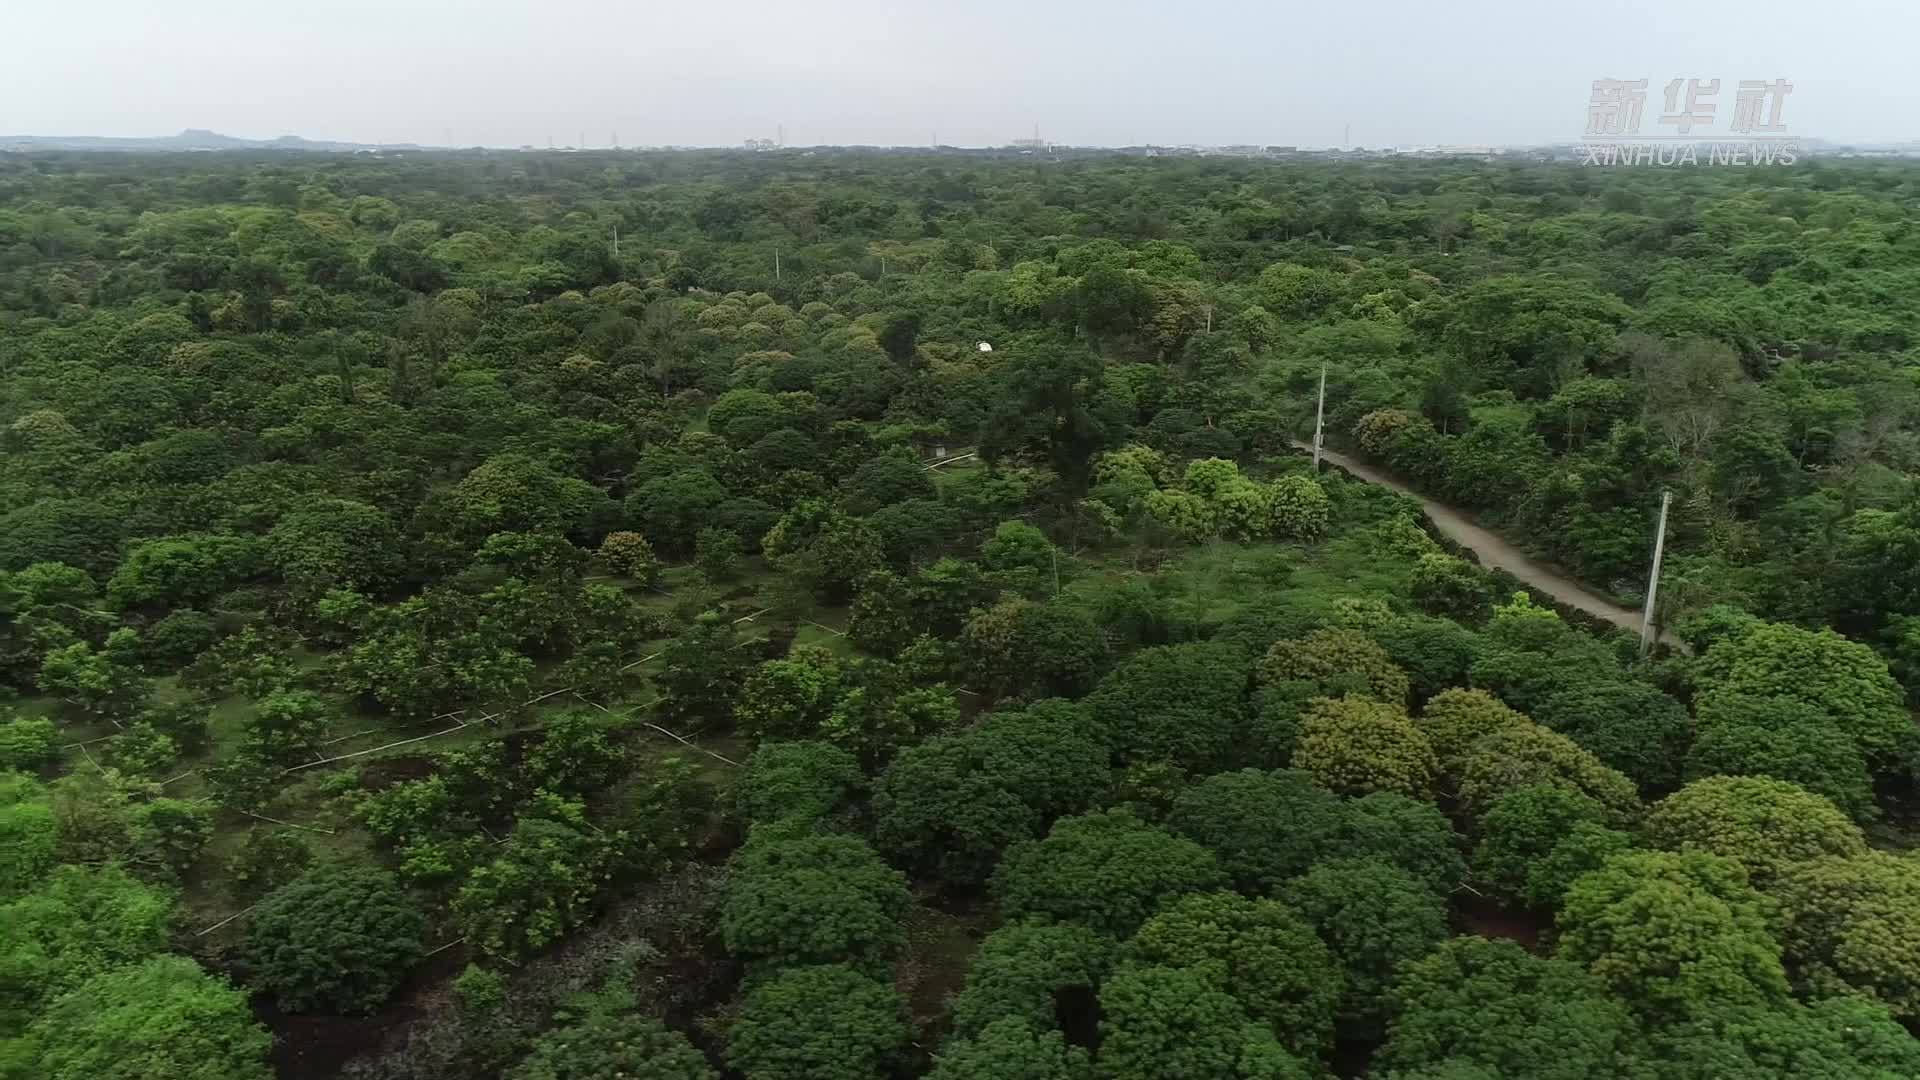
1653 582
616 242
776 264
1319 418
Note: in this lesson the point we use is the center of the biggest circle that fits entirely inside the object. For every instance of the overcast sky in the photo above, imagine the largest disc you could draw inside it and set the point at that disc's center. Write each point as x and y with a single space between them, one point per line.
977 72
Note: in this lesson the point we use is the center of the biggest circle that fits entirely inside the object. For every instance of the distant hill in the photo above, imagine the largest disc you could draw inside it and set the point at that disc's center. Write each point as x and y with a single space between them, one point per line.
191 139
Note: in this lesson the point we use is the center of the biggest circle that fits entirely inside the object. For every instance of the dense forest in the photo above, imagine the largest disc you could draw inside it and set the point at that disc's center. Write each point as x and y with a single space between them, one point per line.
841 616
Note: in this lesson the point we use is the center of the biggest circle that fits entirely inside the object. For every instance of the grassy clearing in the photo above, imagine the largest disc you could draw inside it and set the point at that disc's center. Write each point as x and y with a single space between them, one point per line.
1213 583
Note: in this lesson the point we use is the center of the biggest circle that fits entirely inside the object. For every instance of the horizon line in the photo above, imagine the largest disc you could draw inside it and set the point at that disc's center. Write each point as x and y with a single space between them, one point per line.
1009 144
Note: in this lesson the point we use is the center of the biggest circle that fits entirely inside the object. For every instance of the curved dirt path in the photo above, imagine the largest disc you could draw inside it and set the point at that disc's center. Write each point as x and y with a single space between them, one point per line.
1492 550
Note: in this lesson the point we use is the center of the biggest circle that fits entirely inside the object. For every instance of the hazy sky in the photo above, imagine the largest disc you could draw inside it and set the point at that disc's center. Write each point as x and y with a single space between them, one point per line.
978 72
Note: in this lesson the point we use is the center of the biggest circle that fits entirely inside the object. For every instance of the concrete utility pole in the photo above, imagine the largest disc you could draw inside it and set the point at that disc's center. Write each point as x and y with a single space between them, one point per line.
776 264
1653 582
616 241
1319 418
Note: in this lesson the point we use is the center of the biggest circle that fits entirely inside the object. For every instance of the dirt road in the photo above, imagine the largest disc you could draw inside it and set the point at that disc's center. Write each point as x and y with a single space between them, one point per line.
1492 550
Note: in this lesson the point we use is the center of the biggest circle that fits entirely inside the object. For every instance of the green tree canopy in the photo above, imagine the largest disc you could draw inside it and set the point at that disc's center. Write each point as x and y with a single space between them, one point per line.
1494 1005
80 922
1265 827
1262 953
1631 727
1672 933
338 939
1832 1037
545 880
1356 746
1179 703
1333 659
1845 680
1535 840
1376 918
818 1023
518 493
1011 1050
1765 825
1107 871
1785 738
806 781
1163 1021
1033 650
1024 969
1457 719
29 834
1523 756
812 898
1848 923
789 698
955 802
1412 835
161 1017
